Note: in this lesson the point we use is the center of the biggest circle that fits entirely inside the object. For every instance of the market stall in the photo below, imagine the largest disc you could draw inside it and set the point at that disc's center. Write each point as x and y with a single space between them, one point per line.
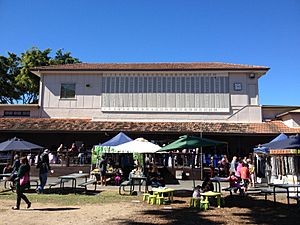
282 160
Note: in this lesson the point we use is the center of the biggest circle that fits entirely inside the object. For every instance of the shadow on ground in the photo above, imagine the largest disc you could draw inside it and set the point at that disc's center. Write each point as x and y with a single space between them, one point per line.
237 210
57 209
69 190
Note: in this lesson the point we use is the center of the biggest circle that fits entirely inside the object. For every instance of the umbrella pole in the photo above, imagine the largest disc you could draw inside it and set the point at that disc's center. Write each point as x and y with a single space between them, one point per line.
201 160
193 166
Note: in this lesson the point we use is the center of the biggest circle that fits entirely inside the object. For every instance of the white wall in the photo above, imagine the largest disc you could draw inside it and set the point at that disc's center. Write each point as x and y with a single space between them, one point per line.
88 100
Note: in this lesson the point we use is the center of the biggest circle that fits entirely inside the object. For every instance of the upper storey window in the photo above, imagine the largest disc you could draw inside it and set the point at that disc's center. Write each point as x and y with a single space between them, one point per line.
67 90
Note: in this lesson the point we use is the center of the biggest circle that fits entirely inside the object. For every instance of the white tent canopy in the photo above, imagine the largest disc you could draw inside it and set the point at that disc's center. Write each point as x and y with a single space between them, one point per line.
139 145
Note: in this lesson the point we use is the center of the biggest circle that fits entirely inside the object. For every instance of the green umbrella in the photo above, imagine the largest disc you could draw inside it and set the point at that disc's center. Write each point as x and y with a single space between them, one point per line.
190 142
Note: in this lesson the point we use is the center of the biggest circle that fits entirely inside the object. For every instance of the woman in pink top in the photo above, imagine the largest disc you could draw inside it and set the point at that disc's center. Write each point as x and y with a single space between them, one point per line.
238 169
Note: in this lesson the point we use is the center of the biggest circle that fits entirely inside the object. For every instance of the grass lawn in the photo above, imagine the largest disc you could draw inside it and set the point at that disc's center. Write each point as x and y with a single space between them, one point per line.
107 196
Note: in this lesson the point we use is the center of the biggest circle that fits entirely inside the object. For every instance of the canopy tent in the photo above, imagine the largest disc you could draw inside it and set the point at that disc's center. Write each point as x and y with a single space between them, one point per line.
293 142
280 137
17 144
272 164
119 139
264 149
108 146
190 142
139 145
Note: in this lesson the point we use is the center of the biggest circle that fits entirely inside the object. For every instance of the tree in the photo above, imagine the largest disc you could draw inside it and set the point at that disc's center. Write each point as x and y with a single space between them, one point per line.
27 82
9 68
17 82
63 58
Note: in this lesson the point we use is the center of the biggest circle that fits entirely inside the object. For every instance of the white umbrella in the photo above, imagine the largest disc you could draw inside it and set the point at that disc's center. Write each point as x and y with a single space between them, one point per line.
139 145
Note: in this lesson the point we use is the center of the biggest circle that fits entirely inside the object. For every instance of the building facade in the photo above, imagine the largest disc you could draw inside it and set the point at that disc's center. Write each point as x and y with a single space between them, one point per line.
158 101
156 92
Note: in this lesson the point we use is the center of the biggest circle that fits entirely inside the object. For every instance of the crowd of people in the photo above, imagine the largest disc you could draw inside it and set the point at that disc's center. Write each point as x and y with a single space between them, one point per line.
240 172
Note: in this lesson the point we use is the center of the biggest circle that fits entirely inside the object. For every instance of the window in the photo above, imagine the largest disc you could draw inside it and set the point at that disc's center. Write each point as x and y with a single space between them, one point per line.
17 113
67 91
237 86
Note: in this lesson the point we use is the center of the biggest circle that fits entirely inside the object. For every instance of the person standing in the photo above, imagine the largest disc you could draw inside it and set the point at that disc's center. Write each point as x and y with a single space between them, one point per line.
22 182
44 166
245 175
16 164
233 165
103 168
81 154
252 173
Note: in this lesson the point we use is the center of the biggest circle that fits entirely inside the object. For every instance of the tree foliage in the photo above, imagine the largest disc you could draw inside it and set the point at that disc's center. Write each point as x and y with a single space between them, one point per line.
9 69
17 83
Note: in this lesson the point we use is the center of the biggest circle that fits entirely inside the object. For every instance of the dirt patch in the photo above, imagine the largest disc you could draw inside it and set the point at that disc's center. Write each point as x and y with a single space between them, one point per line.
237 210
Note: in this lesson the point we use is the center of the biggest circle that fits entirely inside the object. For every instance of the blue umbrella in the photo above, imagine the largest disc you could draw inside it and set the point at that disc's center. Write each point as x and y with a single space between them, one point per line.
17 144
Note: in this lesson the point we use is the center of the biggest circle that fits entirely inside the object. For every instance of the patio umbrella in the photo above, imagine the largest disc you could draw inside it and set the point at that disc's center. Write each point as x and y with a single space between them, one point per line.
17 144
139 145
190 142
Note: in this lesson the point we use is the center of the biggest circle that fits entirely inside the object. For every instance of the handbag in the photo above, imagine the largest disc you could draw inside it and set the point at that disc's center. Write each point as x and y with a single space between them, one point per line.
25 179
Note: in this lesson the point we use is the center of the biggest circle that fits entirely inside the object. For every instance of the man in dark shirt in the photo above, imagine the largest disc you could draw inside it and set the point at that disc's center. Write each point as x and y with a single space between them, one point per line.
44 166
103 168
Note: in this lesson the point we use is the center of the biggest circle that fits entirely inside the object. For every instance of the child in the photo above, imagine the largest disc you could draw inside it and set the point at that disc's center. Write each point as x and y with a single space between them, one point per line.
207 185
234 182
197 191
118 177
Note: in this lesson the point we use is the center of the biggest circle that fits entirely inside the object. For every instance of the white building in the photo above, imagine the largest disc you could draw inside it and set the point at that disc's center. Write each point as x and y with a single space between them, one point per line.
151 92
157 101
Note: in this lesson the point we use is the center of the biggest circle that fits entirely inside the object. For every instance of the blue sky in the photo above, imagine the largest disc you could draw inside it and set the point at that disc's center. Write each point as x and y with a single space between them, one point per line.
235 31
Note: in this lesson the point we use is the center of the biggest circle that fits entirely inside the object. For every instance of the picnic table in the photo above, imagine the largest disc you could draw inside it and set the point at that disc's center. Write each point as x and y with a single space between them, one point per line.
138 180
132 182
212 194
5 175
217 181
11 183
161 191
286 187
73 177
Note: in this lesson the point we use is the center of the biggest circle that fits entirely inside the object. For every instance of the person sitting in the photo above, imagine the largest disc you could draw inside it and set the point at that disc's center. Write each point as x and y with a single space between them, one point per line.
155 179
73 152
234 183
7 170
207 185
197 191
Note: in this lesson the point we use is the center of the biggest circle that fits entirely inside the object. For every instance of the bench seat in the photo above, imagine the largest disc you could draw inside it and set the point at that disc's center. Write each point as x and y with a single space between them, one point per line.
35 181
86 183
123 185
230 189
52 184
